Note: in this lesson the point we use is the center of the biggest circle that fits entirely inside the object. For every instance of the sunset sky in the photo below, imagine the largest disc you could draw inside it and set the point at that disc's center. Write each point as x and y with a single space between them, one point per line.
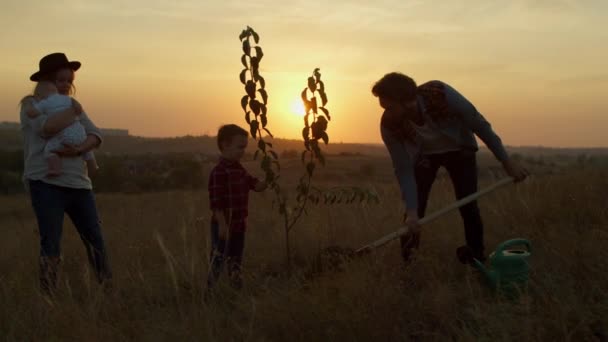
536 69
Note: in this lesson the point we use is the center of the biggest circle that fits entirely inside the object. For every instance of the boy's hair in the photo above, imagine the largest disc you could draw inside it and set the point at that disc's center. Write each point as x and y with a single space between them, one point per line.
227 132
395 86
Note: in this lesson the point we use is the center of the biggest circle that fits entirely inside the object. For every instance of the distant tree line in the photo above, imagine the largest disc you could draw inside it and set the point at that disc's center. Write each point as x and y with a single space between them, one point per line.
124 173
186 170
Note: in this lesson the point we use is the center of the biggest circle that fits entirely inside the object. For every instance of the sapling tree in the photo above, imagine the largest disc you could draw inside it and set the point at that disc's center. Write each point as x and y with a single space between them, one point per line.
316 119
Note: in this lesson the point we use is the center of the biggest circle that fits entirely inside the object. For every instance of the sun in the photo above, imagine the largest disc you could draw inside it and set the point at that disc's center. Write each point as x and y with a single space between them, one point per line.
297 107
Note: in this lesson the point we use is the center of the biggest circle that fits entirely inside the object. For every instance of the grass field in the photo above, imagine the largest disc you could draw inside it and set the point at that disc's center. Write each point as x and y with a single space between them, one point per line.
158 243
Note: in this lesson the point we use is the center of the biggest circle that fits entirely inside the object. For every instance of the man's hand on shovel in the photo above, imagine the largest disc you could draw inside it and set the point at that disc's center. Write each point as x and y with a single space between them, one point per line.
410 219
515 170
430 217
411 240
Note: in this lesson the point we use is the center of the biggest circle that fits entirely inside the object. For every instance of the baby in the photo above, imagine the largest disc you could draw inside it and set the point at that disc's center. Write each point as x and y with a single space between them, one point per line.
50 102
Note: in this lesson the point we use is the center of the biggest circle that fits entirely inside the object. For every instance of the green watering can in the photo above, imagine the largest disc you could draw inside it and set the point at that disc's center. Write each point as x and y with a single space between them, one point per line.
508 267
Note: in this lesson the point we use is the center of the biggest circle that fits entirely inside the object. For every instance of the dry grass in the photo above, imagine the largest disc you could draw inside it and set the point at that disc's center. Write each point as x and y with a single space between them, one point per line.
158 252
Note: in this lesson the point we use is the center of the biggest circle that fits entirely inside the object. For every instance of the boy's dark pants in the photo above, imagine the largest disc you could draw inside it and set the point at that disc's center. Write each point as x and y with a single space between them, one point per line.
462 168
230 252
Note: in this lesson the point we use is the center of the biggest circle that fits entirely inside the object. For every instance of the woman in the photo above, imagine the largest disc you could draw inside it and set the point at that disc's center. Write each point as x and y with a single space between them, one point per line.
71 191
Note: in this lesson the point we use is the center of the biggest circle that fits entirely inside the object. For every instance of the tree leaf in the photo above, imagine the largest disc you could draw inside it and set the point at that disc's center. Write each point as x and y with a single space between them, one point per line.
326 111
306 120
305 101
313 104
253 128
311 84
262 145
264 120
248 117
255 107
256 37
321 86
243 35
307 105
310 167
305 133
243 76
303 96
322 123
244 101
263 108
317 74
244 61
316 132
258 53
323 98
246 47
264 95
255 155
268 132
250 89
255 63
325 137
262 82
321 158
315 148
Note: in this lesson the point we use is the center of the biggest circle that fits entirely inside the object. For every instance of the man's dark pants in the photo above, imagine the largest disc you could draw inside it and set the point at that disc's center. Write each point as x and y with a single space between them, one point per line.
462 169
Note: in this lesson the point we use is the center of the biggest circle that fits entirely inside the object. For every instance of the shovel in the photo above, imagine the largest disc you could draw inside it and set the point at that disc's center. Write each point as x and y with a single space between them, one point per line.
404 229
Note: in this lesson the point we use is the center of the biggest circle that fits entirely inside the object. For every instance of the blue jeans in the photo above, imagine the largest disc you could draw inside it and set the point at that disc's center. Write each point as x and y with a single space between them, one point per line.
50 202
416 173
462 169
230 252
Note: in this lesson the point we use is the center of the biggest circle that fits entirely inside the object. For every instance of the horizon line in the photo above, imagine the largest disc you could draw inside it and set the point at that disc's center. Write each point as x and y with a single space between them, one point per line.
15 123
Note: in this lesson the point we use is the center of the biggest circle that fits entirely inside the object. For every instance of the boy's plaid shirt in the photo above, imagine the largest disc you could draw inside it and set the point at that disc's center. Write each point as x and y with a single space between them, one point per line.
229 185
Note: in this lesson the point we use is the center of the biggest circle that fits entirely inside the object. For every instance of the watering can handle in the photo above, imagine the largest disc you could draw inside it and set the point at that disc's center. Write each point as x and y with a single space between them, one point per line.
403 230
513 242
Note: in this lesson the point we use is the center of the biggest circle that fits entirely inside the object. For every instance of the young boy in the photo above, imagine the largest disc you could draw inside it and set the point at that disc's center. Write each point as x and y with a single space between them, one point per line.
229 186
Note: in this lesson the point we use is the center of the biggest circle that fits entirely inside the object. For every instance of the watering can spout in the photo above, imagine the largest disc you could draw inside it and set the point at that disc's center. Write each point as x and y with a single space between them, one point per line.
489 274
480 266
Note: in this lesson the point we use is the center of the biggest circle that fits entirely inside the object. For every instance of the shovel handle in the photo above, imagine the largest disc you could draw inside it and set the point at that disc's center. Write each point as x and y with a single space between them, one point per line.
465 200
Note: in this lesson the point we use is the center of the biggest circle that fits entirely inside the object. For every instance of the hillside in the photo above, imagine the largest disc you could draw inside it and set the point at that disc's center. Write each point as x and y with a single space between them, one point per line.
128 144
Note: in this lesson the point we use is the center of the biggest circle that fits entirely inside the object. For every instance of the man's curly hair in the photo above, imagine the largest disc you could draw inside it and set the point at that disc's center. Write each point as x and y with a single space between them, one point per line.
395 86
